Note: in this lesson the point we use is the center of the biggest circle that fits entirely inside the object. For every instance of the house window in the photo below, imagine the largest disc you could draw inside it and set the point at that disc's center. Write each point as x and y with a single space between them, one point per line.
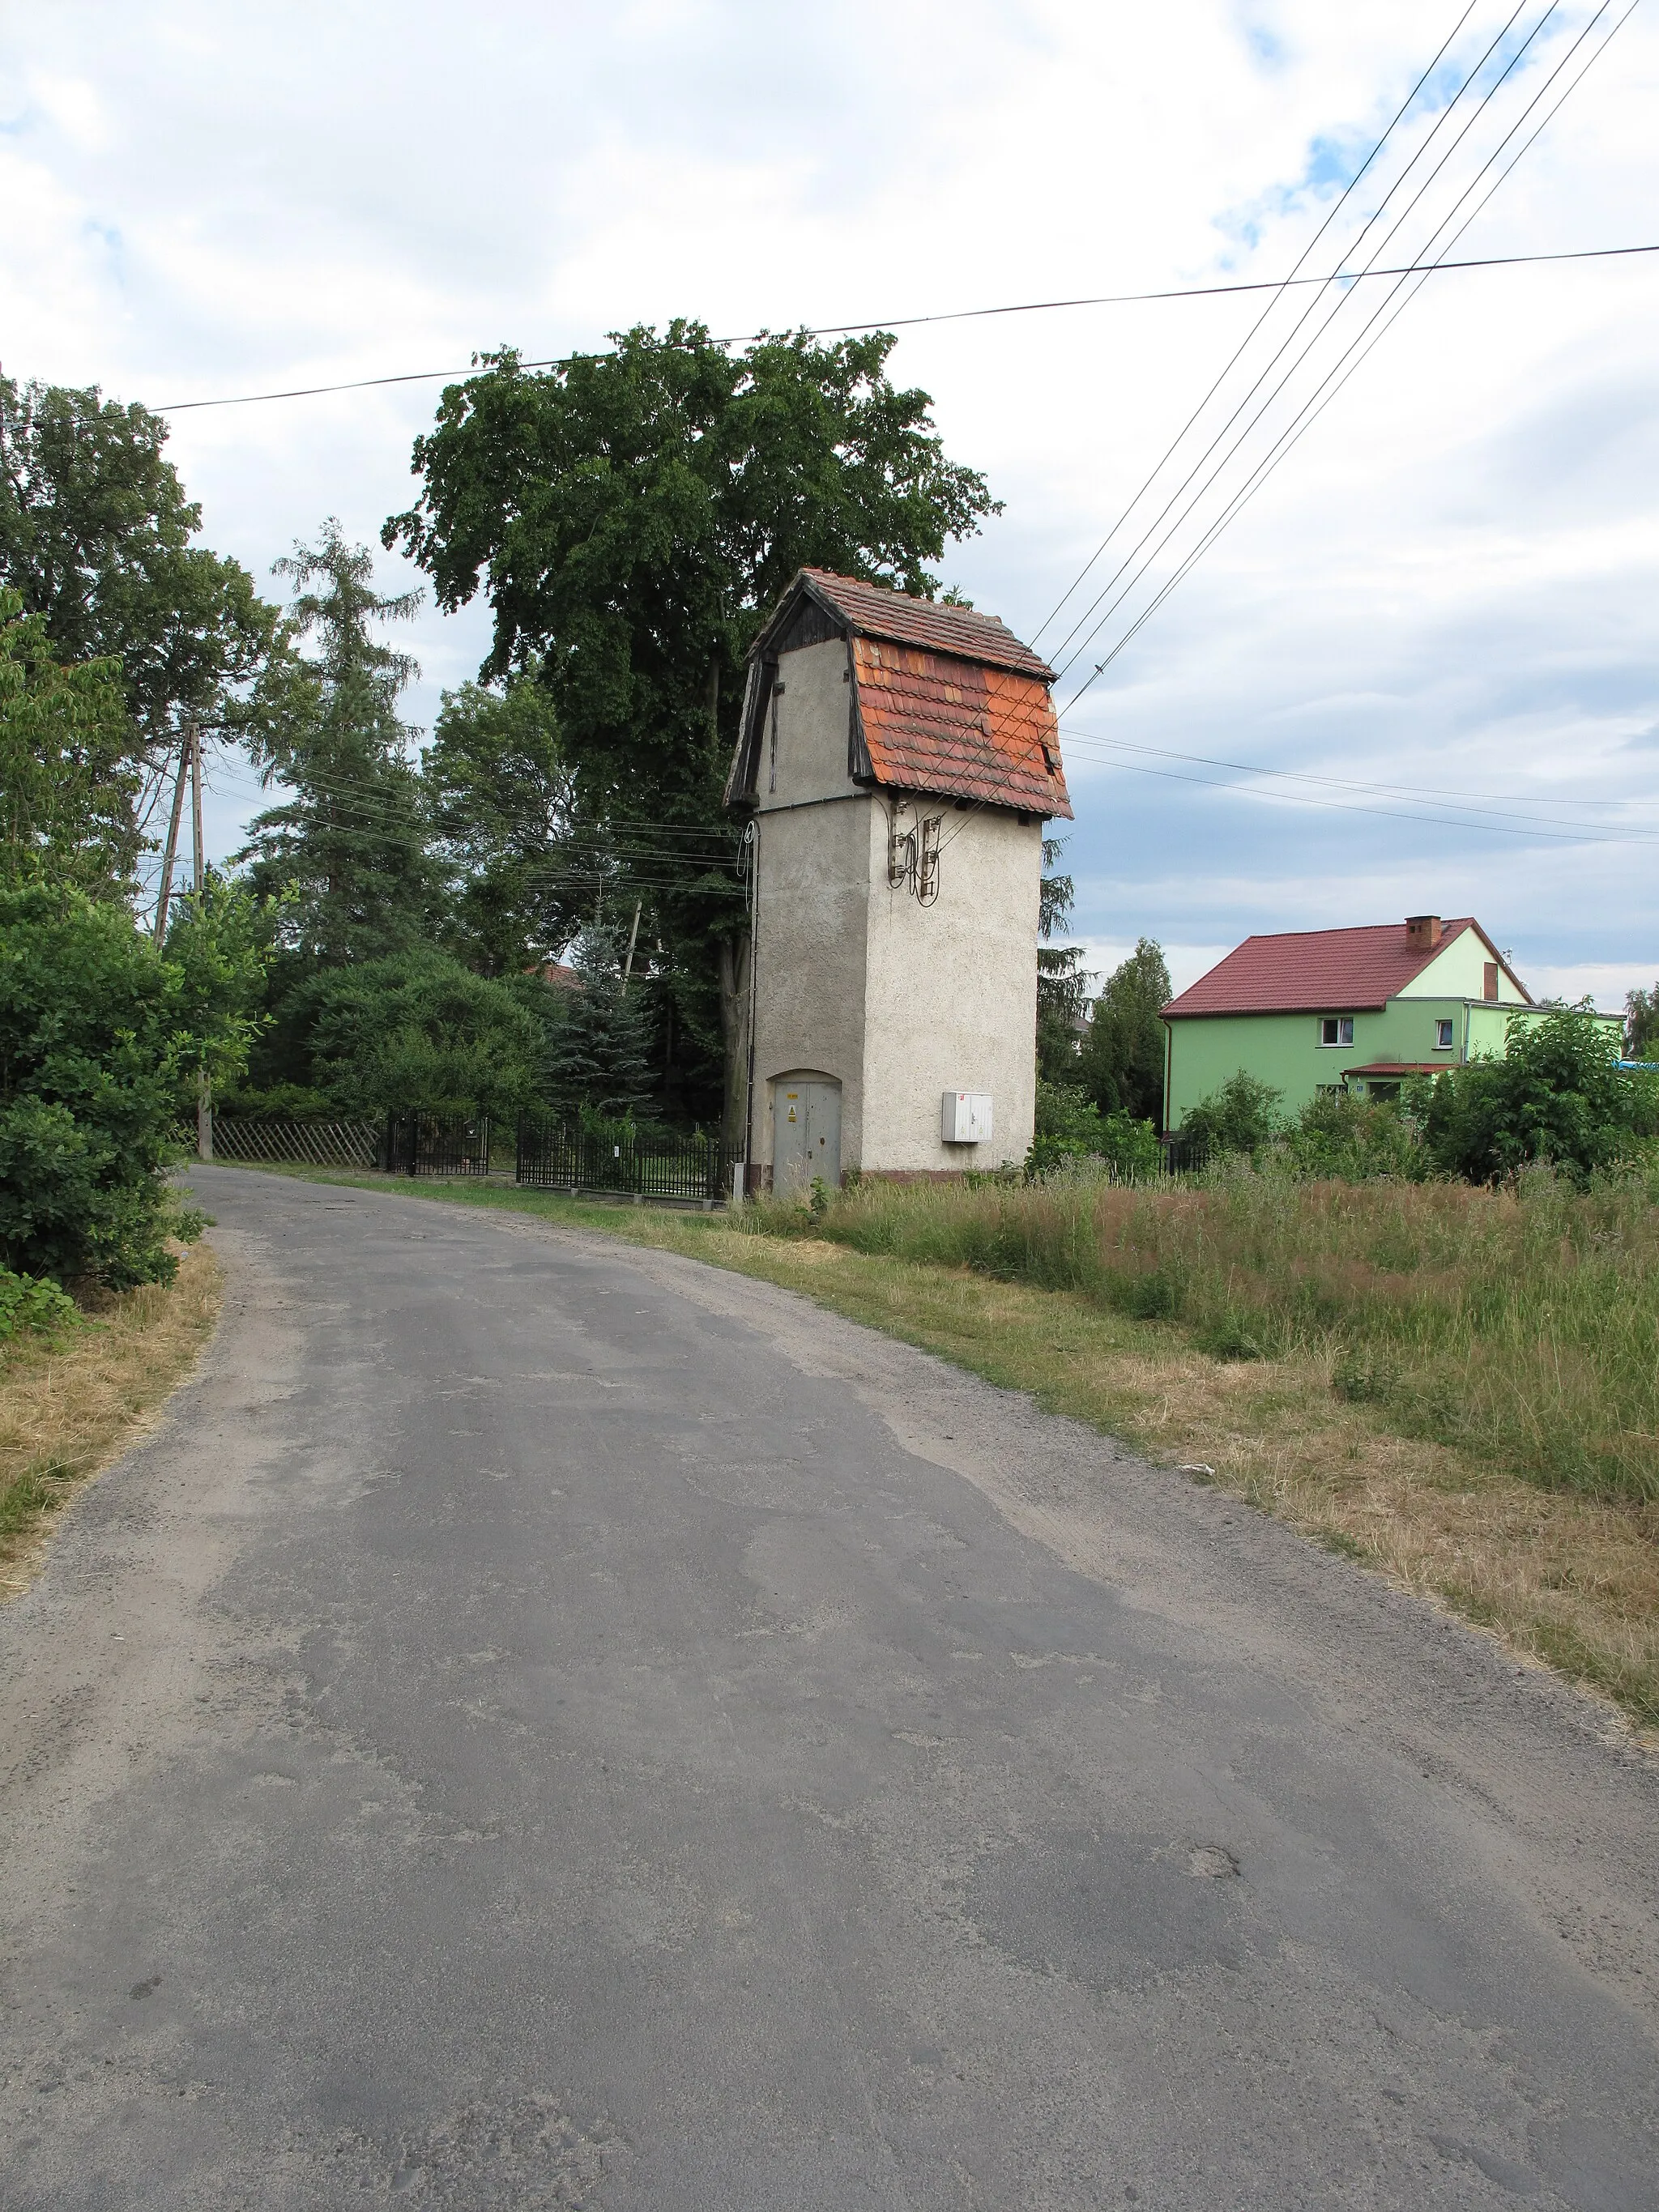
1443 1036
1336 1029
1489 981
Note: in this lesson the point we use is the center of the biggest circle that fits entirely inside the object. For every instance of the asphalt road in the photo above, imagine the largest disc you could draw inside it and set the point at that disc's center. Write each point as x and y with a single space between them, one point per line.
543 1724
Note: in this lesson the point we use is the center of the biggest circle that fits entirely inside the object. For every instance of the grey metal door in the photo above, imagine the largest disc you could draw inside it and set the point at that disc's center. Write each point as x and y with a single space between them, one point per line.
805 1131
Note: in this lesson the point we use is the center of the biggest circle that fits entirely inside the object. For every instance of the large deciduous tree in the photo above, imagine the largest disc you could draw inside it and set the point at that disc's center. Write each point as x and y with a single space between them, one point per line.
632 515
96 537
499 794
67 780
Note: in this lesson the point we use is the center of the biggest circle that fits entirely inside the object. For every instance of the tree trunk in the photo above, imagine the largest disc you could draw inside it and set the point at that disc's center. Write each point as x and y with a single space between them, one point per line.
734 1036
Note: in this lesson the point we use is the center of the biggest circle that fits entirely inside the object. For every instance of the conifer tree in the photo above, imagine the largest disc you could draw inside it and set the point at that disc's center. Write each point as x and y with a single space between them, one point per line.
347 853
598 1056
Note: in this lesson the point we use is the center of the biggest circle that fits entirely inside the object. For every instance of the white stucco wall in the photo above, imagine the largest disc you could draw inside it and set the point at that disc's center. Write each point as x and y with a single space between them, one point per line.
951 990
899 1002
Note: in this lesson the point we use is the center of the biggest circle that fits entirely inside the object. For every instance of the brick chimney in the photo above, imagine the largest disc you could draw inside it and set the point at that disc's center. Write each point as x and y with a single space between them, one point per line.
1422 932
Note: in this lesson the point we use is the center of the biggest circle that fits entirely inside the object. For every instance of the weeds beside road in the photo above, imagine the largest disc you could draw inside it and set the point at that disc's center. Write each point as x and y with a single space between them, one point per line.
72 1401
1562 1575
1521 1327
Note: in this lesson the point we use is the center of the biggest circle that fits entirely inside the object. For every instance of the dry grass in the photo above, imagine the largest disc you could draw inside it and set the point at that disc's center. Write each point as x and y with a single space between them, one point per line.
68 1409
1565 1578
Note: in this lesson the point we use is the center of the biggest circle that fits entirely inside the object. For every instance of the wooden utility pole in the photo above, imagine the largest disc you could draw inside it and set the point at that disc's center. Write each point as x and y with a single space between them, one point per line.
633 939
204 1096
168 856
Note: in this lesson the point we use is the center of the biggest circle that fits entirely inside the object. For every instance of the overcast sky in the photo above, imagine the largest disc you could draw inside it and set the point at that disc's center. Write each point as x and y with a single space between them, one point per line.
1446 587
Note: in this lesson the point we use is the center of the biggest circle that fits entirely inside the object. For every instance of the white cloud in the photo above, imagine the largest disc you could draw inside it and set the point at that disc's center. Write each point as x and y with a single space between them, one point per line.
1446 585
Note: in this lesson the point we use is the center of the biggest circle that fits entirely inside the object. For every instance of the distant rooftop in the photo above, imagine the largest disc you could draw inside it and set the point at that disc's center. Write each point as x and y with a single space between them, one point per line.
1311 970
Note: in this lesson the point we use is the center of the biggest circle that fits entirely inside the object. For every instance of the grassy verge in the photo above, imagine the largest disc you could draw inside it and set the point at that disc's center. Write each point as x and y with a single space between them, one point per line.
1564 1574
69 1406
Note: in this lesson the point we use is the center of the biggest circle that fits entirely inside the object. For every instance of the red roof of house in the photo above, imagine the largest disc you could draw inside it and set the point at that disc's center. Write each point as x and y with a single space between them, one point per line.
943 700
1318 970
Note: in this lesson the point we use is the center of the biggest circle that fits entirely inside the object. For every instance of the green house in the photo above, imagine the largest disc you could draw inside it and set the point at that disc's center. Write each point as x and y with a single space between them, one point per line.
1357 1010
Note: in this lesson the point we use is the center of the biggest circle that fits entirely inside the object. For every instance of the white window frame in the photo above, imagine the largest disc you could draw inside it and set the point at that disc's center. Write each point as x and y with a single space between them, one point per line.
1339 1042
1445 1033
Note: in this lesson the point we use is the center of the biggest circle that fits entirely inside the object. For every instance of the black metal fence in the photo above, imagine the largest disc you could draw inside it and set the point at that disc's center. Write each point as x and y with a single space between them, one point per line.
559 1157
436 1144
1184 1155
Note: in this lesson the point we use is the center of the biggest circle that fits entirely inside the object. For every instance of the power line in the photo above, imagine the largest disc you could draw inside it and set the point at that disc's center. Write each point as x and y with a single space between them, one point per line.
1338 374
1275 284
1294 278
1116 596
1432 793
1359 349
1586 837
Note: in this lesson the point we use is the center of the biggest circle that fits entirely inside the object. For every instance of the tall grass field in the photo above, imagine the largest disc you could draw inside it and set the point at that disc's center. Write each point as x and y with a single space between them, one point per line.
1520 1325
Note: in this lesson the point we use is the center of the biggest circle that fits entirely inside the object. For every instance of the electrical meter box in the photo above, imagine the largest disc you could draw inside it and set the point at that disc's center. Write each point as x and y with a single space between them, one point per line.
966 1118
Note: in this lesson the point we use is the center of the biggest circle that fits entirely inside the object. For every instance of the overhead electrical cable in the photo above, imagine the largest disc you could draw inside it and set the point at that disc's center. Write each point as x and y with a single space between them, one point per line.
1392 814
1294 278
1433 794
1116 590
956 315
1370 333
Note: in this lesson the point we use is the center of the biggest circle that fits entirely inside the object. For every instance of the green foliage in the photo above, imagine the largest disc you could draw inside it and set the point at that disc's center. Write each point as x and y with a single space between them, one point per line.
418 1030
1341 1134
67 780
30 1305
596 1060
1558 1095
1121 1064
216 947
1070 1128
1642 1025
96 1035
347 854
634 515
1062 987
95 535
499 797
1242 1116
275 1102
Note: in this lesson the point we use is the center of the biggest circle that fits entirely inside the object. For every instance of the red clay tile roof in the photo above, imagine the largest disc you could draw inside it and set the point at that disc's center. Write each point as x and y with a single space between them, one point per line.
933 722
870 610
1392 1068
943 700
1315 971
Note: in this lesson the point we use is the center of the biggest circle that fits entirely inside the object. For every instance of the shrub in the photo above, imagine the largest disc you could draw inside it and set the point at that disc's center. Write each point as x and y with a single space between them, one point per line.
1242 1116
30 1305
1069 1127
1558 1095
97 1034
418 1030
1338 1134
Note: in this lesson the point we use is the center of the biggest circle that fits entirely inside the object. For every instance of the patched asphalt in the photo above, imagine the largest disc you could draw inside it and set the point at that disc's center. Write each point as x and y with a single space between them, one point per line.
547 1724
